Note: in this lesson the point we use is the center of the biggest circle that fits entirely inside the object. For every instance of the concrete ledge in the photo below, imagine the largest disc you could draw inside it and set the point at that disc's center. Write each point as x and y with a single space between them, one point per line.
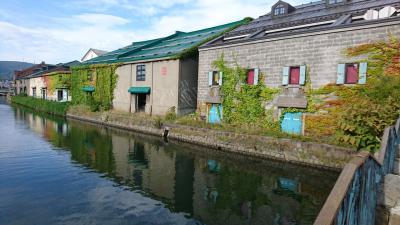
288 150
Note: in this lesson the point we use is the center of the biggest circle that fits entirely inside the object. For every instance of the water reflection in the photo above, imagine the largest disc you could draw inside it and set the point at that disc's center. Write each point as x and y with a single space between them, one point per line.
210 187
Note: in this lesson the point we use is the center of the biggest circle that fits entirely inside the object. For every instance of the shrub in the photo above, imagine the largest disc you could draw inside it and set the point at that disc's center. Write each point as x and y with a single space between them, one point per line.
51 107
171 114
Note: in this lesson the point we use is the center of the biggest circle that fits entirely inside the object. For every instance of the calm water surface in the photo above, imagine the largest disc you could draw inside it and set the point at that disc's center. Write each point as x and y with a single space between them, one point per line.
58 172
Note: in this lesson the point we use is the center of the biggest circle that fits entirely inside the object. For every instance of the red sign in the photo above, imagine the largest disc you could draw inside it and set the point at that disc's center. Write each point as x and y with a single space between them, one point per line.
164 71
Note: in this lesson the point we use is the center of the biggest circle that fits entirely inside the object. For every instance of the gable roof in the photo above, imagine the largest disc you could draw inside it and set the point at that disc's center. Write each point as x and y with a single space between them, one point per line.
98 52
306 18
161 48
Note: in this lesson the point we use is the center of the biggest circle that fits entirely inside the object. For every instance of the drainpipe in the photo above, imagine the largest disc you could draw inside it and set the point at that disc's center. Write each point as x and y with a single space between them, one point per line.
130 85
152 89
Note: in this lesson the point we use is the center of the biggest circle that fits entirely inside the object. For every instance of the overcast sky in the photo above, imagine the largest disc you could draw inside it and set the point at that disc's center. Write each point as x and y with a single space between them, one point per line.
63 30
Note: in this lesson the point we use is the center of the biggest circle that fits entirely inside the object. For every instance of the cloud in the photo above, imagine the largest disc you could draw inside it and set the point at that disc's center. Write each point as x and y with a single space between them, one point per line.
112 24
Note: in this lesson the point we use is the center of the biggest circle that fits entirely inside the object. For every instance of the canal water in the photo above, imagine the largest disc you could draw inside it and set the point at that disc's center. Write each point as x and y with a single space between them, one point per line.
54 171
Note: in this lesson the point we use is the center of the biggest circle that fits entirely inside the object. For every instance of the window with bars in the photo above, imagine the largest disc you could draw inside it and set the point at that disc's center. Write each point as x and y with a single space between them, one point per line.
140 72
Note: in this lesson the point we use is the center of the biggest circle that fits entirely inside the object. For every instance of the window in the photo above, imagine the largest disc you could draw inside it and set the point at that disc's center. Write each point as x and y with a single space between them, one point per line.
89 76
44 93
294 76
279 10
140 72
215 78
331 2
34 92
351 74
250 77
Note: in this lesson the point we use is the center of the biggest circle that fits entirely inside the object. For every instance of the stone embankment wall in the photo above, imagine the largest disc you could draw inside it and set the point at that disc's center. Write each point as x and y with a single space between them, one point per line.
298 152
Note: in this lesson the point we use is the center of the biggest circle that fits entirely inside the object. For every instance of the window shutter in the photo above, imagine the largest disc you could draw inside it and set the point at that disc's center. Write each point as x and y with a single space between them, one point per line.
210 78
220 78
285 76
303 70
340 74
362 76
65 95
256 72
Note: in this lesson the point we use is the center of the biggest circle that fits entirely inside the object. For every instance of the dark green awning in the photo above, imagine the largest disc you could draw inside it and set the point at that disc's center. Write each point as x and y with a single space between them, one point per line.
88 89
139 90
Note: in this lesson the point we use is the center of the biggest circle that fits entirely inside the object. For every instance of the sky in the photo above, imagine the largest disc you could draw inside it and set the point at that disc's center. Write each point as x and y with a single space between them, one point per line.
57 31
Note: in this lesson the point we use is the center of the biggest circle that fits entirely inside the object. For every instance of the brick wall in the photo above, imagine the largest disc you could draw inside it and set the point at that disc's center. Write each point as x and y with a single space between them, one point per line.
321 53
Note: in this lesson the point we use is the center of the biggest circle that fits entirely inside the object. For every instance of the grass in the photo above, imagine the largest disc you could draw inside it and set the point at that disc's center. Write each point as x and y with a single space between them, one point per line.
41 105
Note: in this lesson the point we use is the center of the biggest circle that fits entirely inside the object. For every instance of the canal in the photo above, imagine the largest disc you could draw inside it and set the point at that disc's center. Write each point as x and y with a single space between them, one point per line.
54 171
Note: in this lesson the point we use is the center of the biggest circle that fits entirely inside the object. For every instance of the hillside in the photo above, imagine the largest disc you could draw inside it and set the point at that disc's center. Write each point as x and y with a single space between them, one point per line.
7 68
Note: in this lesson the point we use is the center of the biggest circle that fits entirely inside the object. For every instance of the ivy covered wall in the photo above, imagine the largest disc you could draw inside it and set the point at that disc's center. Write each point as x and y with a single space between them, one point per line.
57 80
244 103
102 77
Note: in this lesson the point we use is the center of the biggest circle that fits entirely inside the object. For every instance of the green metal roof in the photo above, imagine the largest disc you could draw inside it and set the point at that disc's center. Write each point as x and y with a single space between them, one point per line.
139 90
88 89
167 47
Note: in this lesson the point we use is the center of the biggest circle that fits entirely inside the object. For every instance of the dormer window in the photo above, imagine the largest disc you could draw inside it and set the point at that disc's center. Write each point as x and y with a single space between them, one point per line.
279 10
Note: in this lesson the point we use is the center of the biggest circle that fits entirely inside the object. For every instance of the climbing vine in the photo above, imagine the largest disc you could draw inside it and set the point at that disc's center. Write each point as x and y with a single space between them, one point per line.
243 103
102 77
57 80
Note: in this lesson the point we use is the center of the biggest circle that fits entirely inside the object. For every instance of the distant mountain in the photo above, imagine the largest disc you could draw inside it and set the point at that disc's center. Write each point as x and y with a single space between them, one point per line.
7 68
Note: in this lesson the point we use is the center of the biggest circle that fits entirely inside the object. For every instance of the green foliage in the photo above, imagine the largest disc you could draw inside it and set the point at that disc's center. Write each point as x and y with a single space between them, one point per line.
104 79
57 80
243 103
51 107
158 122
171 114
363 122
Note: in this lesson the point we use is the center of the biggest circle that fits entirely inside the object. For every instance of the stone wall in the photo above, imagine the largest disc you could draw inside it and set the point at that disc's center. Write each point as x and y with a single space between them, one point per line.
320 52
297 152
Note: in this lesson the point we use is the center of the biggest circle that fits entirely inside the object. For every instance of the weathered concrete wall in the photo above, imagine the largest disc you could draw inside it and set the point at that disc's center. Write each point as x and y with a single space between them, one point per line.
187 100
162 77
321 52
20 85
122 98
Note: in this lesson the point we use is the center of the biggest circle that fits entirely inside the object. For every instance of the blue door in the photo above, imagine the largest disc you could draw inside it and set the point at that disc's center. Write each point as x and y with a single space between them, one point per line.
292 123
215 114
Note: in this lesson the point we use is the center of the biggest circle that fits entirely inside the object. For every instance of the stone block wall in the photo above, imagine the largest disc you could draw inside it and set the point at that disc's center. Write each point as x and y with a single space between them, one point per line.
320 52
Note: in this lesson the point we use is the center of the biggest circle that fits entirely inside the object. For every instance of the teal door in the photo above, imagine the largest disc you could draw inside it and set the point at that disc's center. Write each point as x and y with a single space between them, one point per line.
215 114
292 123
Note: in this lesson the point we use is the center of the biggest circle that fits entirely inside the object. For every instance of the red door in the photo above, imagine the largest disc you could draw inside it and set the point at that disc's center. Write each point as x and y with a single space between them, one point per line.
250 77
294 75
351 74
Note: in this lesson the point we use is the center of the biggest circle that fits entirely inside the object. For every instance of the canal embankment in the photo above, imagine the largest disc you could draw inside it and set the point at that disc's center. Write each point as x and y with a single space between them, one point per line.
283 149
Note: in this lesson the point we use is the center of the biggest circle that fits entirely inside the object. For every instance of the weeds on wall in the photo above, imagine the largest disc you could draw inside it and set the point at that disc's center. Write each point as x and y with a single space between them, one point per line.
243 103
102 77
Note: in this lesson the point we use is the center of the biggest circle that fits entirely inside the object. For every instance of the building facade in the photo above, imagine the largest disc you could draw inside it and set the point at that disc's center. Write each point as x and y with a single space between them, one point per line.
158 76
92 53
294 46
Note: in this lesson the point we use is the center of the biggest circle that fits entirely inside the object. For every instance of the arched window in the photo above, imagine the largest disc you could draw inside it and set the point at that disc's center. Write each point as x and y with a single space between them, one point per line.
279 10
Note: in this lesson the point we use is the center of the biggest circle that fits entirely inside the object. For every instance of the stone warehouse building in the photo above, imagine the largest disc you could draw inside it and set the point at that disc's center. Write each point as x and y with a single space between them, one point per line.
21 84
52 84
293 45
158 75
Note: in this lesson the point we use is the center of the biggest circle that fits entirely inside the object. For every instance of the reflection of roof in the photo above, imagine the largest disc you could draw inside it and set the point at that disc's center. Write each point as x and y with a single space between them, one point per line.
305 18
166 47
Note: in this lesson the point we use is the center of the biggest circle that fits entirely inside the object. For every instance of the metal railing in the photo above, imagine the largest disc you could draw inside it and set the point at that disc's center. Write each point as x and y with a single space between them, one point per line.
353 199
